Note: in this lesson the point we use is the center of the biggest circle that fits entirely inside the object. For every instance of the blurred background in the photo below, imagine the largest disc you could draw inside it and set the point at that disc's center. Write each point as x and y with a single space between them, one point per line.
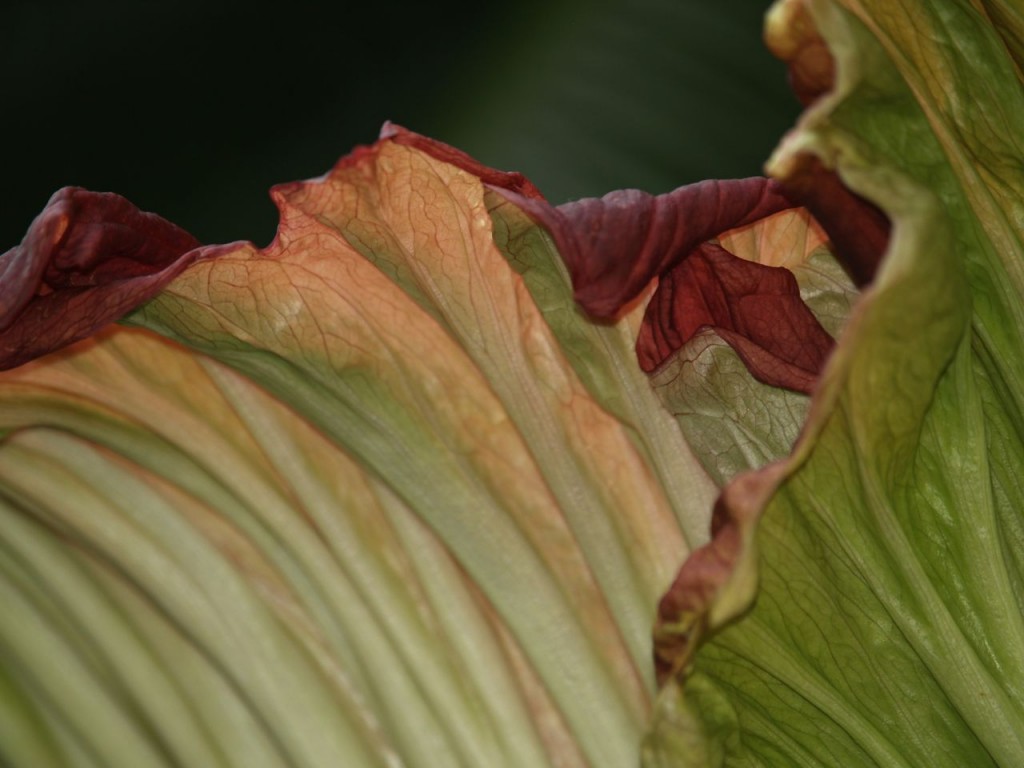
194 109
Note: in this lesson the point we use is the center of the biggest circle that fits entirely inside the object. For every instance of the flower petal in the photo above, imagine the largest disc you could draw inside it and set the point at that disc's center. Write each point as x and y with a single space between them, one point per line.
85 261
757 309
615 245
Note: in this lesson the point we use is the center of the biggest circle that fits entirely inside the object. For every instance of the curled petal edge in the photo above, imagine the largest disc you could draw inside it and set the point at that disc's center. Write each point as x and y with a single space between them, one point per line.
719 581
87 259
90 258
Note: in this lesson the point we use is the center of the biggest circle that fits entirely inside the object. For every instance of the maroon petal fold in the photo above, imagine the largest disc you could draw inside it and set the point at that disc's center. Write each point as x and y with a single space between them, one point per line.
615 245
859 231
88 259
755 308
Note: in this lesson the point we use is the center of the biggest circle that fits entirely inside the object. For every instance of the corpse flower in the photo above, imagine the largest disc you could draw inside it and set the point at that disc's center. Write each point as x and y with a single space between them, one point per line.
412 485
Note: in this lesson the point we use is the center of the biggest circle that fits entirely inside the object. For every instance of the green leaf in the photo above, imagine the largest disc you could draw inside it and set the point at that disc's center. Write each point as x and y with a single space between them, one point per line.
888 626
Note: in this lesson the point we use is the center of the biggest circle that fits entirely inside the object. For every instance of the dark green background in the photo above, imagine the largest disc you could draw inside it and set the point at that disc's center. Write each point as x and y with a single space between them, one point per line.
194 109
